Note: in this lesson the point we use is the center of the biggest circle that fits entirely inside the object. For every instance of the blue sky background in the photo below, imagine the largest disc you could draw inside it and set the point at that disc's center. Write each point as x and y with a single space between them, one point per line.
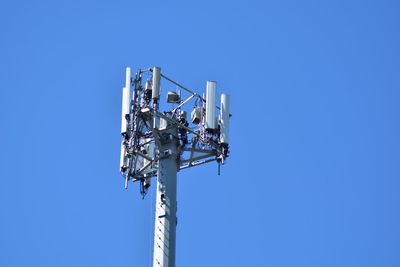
314 174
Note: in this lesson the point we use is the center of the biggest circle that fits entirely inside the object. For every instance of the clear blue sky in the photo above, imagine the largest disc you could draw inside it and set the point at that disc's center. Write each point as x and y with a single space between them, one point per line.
314 173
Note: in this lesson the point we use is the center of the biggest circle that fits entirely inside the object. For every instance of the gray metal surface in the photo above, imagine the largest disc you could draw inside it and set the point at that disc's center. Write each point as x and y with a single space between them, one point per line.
165 217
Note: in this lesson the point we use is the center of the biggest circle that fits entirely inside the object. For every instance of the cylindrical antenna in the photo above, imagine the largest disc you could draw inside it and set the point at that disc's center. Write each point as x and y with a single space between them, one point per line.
210 105
156 83
224 119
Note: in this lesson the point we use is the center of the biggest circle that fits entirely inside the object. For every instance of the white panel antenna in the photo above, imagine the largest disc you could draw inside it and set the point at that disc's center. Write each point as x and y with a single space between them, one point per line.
126 100
224 119
210 105
122 159
125 110
128 80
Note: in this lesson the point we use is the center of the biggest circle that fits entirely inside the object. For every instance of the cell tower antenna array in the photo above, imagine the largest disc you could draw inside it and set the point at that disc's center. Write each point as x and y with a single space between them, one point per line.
159 144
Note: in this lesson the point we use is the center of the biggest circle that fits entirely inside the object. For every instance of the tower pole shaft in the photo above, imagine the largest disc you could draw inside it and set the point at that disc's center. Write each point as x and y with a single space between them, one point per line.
165 217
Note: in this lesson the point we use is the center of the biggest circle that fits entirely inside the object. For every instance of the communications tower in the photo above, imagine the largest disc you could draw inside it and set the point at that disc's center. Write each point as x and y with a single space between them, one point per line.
160 144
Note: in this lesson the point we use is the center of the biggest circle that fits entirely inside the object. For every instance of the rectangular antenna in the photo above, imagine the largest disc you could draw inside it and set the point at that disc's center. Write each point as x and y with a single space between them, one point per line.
128 80
126 100
156 83
210 105
122 157
125 109
224 119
